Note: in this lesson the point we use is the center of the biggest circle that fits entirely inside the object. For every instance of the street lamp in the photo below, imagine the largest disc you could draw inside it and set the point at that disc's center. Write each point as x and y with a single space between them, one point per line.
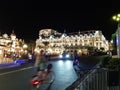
117 18
25 48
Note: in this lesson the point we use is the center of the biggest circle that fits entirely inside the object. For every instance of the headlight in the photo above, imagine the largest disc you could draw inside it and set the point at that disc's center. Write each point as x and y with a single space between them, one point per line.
60 56
67 56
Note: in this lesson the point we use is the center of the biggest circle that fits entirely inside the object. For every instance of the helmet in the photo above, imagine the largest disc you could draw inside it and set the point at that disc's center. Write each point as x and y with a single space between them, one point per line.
49 66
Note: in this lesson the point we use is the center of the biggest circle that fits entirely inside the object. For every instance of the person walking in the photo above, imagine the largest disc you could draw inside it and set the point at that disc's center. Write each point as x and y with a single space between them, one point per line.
76 61
47 55
75 55
43 61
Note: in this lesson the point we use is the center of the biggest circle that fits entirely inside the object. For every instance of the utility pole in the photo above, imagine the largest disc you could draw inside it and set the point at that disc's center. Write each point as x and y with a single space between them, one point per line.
117 18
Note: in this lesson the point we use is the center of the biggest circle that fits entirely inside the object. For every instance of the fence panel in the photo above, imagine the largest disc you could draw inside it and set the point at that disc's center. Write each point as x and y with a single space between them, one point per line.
98 79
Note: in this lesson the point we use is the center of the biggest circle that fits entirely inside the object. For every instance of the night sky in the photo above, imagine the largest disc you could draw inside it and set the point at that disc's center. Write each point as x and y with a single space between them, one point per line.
27 17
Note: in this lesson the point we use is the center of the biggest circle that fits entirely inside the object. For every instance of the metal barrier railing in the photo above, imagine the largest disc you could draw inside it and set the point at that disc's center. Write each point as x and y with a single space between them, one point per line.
95 79
92 81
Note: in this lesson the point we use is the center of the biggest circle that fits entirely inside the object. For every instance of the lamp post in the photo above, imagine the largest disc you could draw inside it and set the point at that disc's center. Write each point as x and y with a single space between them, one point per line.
117 18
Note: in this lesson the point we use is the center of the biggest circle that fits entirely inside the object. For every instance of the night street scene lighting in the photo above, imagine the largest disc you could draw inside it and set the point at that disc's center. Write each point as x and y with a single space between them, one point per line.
117 18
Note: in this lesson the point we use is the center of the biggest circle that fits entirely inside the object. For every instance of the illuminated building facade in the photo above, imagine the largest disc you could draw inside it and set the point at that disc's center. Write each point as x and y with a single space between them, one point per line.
9 45
56 42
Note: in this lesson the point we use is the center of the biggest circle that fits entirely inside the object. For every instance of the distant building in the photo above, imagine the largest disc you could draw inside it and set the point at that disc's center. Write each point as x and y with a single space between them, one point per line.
10 44
56 42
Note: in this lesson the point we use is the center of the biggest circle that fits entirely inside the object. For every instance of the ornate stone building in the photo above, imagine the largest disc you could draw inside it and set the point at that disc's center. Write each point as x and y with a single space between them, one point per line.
9 44
56 42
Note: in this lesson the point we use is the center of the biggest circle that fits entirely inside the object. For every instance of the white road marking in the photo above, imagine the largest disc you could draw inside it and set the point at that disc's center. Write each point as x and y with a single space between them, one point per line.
15 71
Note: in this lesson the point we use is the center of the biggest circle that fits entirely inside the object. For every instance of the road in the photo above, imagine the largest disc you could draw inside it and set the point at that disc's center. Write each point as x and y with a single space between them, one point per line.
19 79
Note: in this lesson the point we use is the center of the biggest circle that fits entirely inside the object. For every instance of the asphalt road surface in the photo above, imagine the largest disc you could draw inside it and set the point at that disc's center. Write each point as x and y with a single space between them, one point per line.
19 79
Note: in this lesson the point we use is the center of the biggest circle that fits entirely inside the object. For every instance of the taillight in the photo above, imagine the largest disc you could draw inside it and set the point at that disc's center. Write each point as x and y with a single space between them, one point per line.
35 82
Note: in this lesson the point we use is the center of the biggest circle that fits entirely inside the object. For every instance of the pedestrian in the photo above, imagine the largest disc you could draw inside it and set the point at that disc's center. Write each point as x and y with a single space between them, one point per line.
43 61
47 55
76 61
40 60
75 55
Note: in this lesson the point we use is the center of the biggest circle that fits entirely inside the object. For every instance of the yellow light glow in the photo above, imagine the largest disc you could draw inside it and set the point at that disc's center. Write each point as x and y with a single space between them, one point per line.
114 17
25 46
118 15
117 19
